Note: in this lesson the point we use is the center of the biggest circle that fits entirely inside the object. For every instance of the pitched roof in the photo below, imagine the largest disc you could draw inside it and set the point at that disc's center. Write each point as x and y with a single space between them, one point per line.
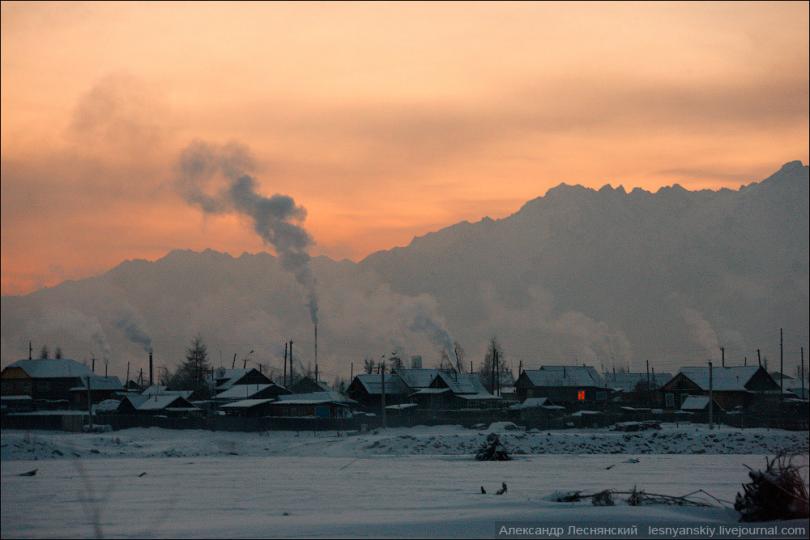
97 382
723 378
52 368
158 402
371 382
417 377
246 403
627 381
566 376
463 383
530 403
159 390
312 398
245 391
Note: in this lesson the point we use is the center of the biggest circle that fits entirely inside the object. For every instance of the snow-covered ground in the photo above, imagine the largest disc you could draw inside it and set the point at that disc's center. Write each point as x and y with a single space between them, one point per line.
419 440
417 482
425 496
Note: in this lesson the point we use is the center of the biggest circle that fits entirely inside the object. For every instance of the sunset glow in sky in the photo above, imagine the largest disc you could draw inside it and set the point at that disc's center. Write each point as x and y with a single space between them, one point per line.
384 121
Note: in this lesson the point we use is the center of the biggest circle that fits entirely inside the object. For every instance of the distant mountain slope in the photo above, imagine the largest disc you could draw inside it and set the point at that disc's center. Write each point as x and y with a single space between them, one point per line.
579 275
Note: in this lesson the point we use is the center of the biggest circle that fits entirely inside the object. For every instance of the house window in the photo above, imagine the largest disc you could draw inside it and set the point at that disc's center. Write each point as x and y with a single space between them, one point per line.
580 395
670 400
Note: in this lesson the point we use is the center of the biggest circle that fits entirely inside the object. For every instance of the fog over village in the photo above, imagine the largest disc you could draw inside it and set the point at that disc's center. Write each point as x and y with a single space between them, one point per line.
405 270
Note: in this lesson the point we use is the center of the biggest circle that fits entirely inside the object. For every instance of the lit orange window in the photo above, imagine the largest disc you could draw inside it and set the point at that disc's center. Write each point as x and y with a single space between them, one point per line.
581 395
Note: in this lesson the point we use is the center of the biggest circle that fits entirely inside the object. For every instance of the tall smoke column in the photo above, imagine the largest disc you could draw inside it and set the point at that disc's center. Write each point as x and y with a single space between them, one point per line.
275 219
316 352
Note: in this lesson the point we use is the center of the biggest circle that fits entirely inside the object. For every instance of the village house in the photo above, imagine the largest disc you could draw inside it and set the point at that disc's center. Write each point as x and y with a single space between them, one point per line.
366 389
733 386
47 381
223 378
699 404
306 385
249 407
564 385
465 391
627 387
163 404
241 392
329 404
101 388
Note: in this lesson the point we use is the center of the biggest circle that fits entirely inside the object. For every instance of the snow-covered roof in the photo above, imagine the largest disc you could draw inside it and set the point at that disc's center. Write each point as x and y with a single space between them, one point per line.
417 377
108 405
566 376
478 397
312 398
98 382
158 402
586 413
245 391
723 378
225 378
627 381
462 383
401 406
371 382
159 390
530 403
695 403
246 403
428 391
51 368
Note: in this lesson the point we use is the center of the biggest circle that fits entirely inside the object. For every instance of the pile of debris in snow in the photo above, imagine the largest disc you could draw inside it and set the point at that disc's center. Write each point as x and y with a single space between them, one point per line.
492 450
778 492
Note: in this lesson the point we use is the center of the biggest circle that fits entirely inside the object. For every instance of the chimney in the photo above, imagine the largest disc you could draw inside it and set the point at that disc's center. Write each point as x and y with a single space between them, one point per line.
151 372
316 352
416 362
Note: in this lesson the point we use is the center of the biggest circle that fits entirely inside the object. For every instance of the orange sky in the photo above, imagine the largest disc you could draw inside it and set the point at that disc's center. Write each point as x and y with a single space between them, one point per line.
383 120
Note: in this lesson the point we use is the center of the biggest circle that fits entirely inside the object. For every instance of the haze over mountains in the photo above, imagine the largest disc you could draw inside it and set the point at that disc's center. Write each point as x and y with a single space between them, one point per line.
602 277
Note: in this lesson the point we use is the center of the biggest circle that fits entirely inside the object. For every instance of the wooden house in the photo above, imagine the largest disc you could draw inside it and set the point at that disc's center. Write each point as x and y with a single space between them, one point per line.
46 381
564 385
312 404
366 389
241 392
101 388
732 387
163 404
306 385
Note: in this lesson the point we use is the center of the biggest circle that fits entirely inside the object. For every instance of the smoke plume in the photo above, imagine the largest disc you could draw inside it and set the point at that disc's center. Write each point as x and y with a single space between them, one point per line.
275 219
134 333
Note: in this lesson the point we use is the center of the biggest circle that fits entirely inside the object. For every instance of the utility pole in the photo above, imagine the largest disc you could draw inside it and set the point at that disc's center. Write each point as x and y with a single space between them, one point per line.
127 380
648 382
285 364
711 398
382 397
802 372
291 363
723 356
781 367
30 350
93 364
89 403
